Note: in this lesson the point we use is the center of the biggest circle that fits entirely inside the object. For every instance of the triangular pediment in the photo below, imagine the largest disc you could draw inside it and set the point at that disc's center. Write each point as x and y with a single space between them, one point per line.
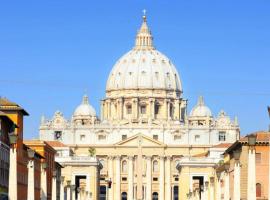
142 140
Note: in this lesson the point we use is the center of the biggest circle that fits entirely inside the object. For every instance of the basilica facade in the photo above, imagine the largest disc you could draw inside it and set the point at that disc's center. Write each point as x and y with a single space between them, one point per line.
149 146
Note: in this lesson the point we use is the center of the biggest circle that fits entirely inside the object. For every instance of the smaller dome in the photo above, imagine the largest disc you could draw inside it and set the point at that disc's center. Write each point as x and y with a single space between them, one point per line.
200 110
85 109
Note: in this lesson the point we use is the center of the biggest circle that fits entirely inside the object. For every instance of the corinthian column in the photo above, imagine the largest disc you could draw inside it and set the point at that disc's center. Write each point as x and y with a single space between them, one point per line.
168 178
43 181
251 174
218 190
148 178
12 192
130 178
227 186
62 189
54 187
236 184
118 177
31 180
110 173
161 177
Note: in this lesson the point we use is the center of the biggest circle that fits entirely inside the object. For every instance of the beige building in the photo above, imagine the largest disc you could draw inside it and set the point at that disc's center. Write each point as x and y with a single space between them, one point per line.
144 131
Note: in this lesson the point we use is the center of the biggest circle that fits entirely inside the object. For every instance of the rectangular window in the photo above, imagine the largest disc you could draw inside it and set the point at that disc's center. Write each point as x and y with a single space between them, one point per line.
124 178
197 138
82 137
101 137
124 137
157 108
222 136
143 109
58 135
129 109
177 137
155 179
155 137
258 157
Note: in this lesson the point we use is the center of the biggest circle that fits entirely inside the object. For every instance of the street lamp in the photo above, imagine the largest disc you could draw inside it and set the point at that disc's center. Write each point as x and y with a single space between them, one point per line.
227 167
218 175
236 154
44 165
30 153
252 139
13 137
54 173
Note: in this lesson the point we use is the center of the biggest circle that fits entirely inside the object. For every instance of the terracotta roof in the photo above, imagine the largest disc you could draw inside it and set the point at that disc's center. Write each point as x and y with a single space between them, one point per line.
6 104
223 145
262 136
55 144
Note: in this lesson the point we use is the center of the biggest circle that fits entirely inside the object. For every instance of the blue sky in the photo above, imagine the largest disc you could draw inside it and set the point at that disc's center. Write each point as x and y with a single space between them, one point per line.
53 51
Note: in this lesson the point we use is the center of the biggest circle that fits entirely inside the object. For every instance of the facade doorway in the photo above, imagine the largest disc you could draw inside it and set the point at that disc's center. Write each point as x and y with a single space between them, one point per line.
124 196
155 196
102 192
175 192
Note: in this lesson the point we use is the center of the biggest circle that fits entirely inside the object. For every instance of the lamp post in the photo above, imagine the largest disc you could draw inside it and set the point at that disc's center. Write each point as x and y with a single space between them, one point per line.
43 180
251 167
31 175
54 185
237 173
12 191
227 182
68 190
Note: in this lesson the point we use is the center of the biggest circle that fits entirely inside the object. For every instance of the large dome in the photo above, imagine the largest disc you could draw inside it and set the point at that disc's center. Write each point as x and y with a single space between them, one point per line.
144 67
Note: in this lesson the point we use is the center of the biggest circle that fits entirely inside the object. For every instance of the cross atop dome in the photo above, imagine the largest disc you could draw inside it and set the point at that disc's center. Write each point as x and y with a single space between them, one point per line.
144 15
144 39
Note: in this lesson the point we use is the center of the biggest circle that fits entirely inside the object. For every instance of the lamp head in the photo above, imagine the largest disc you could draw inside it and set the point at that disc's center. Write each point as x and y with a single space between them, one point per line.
252 139
30 153
13 138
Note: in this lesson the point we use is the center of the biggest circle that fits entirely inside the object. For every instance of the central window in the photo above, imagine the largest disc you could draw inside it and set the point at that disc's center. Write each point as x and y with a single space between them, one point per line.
143 109
222 136
129 109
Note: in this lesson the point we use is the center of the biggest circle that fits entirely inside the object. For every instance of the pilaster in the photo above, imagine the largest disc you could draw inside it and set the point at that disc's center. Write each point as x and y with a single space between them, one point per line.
161 177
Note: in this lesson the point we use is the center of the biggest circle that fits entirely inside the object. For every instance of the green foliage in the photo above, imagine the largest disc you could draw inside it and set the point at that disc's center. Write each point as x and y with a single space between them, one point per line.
92 151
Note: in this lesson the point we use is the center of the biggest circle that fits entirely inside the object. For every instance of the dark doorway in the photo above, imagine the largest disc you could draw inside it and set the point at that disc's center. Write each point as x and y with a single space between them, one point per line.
124 196
102 192
175 192
77 184
198 180
155 196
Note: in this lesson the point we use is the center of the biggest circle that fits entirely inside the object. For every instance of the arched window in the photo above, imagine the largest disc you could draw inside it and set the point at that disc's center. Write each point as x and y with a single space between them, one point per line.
124 166
171 111
155 196
129 109
155 166
124 196
258 190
